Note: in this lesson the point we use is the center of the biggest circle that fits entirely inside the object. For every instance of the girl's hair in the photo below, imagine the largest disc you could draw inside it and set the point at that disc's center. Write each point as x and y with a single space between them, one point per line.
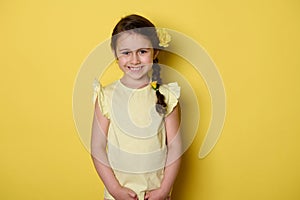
140 25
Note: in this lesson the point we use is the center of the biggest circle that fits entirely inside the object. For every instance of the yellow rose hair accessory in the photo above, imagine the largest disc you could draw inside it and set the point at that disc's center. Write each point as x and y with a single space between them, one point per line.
154 85
164 37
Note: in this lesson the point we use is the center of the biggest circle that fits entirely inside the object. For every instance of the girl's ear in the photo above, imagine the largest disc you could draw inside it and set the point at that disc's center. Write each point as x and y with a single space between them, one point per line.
115 54
155 54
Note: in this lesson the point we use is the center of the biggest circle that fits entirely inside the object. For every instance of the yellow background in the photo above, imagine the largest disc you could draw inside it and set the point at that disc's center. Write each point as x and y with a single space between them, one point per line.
255 45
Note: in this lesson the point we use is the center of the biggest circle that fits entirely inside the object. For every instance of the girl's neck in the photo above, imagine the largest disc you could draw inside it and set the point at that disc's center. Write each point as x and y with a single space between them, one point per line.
135 84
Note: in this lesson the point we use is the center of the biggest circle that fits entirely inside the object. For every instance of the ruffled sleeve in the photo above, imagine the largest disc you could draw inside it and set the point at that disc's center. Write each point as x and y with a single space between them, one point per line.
171 92
99 94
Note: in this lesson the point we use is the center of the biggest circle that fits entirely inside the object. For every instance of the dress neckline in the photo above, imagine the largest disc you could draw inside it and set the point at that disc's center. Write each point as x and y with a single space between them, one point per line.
135 89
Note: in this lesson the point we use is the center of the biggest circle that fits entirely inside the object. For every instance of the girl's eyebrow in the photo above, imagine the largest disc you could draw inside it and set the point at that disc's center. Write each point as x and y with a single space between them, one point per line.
126 49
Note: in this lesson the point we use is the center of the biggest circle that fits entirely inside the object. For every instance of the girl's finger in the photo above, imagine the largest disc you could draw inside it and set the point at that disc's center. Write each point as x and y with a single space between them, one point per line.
147 195
132 194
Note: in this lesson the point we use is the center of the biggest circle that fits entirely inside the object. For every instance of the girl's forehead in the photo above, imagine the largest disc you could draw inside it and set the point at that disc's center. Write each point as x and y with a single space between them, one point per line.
132 41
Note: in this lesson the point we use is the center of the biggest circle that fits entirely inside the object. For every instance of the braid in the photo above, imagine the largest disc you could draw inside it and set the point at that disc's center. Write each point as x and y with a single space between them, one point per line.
156 72
161 106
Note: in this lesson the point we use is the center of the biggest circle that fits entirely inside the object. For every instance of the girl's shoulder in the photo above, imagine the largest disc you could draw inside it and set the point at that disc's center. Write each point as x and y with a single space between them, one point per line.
170 88
102 91
98 87
110 85
171 92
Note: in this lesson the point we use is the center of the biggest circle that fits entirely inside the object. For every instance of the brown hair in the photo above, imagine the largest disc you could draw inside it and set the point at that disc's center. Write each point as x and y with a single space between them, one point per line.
140 25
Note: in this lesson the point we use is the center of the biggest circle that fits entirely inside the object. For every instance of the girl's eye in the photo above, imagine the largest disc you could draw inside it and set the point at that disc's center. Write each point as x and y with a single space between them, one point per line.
125 52
143 51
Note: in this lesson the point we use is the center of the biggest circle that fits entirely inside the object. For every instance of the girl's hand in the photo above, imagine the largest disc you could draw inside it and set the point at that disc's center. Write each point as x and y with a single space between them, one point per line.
124 193
157 194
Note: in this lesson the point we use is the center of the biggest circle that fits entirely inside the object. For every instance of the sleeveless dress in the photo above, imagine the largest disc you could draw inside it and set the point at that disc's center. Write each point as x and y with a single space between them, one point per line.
136 138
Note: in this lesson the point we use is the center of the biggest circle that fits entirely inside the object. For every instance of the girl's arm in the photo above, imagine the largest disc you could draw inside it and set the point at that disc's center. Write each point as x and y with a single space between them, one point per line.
100 160
172 123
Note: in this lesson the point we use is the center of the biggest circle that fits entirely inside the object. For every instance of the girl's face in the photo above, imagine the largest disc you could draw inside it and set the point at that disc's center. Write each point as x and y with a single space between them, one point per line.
135 56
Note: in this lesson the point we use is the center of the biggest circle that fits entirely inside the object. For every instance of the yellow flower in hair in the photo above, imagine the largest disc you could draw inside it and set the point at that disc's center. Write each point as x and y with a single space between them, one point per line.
164 37
154 85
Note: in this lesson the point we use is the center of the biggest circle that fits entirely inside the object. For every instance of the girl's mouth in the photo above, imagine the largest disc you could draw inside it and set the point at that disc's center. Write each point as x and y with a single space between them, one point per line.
135 68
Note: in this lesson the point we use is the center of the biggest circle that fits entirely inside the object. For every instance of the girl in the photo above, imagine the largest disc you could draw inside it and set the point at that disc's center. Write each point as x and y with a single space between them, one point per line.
136 144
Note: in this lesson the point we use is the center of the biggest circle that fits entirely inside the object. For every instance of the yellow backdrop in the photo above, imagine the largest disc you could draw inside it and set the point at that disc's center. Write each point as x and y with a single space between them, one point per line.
255 45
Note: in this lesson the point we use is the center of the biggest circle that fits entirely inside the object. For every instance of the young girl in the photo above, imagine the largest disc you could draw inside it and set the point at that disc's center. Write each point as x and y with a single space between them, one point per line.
136 144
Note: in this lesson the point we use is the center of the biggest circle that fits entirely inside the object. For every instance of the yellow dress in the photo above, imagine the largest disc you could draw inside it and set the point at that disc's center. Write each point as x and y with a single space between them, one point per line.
136 139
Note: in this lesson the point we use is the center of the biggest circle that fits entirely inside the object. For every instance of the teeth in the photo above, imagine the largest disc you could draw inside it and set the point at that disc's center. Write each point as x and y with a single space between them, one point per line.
135 68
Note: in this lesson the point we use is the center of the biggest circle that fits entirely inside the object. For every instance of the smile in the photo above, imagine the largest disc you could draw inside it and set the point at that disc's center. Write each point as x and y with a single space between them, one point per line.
135 68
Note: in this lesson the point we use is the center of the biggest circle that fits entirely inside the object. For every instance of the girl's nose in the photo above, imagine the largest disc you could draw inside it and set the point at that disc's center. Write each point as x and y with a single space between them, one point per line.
135 59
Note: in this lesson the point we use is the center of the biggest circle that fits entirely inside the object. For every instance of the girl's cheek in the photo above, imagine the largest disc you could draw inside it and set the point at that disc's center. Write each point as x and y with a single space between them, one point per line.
122 59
